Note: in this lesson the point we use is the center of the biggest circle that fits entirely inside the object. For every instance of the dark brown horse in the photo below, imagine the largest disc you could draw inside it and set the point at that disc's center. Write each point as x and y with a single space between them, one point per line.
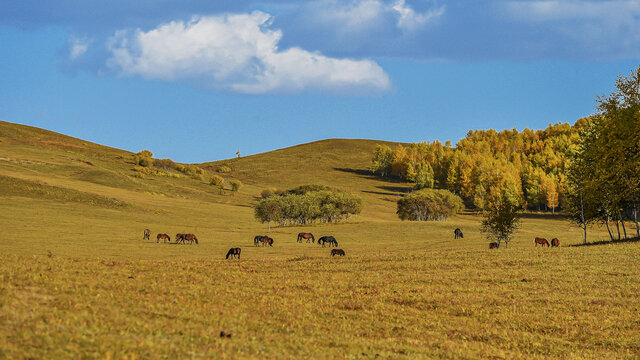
234 252
146 235
328 240
493 245
307 236
335 252
555 242
164 238
541 241
457 233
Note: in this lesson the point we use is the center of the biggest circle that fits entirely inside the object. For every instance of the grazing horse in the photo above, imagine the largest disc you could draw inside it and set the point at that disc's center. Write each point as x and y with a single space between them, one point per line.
262 239
328 239
555 242
541 241
493 245
191 238
337 252
146 235
307 236
234 252
458 233
164 238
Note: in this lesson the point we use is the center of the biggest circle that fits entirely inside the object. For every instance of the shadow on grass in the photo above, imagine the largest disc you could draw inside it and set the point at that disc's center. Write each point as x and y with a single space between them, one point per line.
543 216
367 174
605 242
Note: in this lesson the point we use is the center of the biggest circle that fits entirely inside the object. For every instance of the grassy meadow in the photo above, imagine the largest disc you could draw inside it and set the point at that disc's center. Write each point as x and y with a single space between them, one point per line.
78 281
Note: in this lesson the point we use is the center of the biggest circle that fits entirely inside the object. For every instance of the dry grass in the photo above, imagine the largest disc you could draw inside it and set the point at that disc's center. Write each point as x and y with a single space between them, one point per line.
78 281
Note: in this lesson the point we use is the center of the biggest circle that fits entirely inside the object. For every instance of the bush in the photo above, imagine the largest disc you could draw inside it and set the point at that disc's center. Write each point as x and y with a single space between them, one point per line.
224 169
164 163
145 154
429 204
292 208
146 162
216 180
191 170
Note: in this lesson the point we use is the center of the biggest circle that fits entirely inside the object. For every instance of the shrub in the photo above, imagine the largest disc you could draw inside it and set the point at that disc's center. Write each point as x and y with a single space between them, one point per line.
224 169
216 180
164 163
429 204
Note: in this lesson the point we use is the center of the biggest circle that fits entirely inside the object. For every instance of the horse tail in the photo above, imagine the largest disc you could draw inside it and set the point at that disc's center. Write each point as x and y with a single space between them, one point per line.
312 238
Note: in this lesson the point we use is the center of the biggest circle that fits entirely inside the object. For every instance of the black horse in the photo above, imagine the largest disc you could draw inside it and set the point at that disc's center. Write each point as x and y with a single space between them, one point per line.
234 252
458 233
335 252
328 239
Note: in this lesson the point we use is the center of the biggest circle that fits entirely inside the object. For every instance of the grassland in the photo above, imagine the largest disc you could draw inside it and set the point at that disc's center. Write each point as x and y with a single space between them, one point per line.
78 281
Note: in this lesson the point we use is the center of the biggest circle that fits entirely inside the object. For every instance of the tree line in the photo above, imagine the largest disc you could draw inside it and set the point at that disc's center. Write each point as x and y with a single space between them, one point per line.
532 163
307 204
604 173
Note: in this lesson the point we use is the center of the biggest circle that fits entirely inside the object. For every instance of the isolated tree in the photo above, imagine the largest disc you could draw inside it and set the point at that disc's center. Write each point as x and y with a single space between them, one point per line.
501 218
235 185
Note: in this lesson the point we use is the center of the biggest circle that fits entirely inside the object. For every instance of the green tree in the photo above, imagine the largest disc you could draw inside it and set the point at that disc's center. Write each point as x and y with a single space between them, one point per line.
501 218
382 160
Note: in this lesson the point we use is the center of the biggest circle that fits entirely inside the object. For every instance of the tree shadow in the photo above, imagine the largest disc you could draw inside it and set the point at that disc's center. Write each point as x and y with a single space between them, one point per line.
367 174
605 242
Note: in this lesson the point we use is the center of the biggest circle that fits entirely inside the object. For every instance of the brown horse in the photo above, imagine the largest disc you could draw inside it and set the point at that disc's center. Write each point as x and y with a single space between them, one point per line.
339 252
146 235
457 233
541 241
164 238
191 238
307 236
493 245
555 242
234 252
264 240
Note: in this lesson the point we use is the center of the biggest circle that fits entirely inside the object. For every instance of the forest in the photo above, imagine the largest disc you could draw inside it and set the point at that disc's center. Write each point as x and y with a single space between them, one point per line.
532 163
590 170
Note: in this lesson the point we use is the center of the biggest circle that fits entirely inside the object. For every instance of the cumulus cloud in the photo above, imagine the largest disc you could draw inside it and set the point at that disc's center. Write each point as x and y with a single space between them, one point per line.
78 47
238 52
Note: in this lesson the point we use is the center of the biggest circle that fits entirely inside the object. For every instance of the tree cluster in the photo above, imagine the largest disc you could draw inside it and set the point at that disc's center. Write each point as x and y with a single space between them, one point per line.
305 205
429 205
604 173
532 161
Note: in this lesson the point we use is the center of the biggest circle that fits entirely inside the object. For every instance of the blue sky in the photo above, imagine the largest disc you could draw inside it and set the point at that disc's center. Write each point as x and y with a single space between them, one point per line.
198 80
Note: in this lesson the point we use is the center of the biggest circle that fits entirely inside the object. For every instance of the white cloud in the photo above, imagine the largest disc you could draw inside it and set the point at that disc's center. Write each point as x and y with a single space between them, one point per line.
78 47
240 53
410 20
362 15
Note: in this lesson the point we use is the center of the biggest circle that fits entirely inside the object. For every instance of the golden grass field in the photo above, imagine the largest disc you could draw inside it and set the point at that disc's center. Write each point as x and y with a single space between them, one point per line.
78 281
